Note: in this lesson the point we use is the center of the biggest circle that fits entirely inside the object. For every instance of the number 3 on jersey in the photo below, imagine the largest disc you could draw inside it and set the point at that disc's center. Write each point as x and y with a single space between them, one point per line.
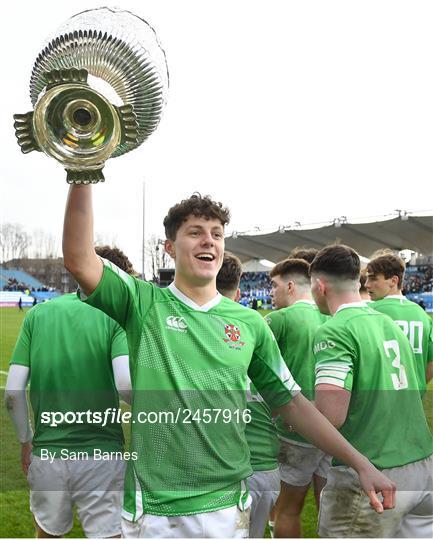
392 350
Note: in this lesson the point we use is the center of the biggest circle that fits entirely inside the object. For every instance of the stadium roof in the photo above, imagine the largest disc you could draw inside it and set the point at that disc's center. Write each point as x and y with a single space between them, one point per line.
404 231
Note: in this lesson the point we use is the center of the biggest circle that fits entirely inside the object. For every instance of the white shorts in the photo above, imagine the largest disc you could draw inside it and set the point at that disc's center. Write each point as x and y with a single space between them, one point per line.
345 510
227 523
264 490
95 487
299 463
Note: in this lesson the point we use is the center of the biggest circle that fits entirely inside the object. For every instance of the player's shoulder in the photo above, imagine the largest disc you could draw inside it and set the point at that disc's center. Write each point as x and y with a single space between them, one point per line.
228 305
304 309
352 316
240 313
275 315
64 301
415 307
398 301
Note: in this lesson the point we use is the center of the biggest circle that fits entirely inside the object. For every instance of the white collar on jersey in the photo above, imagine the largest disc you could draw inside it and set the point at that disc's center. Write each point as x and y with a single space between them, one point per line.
396 296
352 304
186 300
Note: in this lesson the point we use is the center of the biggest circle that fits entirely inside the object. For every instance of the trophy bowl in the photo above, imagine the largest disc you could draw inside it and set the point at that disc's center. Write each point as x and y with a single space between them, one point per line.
98 88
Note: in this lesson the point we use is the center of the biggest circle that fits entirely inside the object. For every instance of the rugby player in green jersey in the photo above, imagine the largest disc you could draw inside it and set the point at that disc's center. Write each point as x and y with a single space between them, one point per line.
385 275
294 324
191 352
76 360
366 385
261 433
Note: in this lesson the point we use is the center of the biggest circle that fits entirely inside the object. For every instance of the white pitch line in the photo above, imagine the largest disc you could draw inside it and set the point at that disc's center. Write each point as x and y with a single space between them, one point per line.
3 372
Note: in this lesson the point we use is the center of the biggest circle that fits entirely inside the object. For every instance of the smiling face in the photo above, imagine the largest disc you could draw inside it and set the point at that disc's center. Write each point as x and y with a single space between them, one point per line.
198 250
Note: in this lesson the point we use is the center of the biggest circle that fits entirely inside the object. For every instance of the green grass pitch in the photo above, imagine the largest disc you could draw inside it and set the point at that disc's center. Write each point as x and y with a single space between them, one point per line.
15 517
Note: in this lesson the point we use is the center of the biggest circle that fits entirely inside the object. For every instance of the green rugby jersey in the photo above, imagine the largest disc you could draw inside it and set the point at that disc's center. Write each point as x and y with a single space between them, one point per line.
363 351
189 358
261 433
69 348
416 325
294 328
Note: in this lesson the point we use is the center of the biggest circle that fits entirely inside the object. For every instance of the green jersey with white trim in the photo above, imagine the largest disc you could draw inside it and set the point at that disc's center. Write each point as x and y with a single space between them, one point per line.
261 433
417 327
189 368
363 351
294 328
69 348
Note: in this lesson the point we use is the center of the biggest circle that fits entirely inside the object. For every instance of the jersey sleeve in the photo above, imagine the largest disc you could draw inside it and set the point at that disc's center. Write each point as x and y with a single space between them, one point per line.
122 297
269 372
119 343
334 358
21 353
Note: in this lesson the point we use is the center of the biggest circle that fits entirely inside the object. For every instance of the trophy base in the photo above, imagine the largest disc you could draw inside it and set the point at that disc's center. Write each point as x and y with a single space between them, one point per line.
84 177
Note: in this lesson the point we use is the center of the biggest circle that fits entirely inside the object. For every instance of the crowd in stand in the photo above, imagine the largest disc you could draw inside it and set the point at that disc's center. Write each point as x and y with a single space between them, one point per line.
419 282
15 285
257 286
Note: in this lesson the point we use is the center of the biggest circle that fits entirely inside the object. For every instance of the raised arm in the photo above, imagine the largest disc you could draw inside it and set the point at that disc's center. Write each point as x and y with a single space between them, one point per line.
78 248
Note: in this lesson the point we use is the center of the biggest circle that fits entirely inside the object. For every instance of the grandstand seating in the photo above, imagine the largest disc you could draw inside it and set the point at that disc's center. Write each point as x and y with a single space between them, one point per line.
418 286
20 276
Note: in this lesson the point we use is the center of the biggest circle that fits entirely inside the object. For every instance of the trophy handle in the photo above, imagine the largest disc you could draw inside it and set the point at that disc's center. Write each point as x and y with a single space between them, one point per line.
84 177
24 132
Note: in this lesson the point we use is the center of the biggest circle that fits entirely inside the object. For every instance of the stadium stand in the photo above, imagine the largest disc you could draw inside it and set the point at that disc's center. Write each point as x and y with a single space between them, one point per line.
19 278
16 284
418 287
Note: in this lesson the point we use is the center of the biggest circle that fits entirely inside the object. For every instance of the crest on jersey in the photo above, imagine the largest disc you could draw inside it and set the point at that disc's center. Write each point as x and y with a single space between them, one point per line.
233 336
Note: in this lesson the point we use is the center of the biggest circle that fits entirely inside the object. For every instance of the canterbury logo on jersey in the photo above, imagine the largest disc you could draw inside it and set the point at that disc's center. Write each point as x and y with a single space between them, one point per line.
176 323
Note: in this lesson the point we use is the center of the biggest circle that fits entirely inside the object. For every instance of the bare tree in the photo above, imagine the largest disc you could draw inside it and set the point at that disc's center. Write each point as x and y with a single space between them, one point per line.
103 239
14 241
38 244
156 256
51 246
44 245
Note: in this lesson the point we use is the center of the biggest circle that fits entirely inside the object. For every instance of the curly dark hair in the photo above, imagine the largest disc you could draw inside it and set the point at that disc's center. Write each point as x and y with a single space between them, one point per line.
198 206
116 256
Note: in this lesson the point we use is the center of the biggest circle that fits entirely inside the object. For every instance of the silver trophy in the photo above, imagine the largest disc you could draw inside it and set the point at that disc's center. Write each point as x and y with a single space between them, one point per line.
98 88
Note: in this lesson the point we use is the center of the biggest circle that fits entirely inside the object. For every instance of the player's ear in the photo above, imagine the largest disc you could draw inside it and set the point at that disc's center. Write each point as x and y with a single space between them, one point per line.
169 248
237 295
321 283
